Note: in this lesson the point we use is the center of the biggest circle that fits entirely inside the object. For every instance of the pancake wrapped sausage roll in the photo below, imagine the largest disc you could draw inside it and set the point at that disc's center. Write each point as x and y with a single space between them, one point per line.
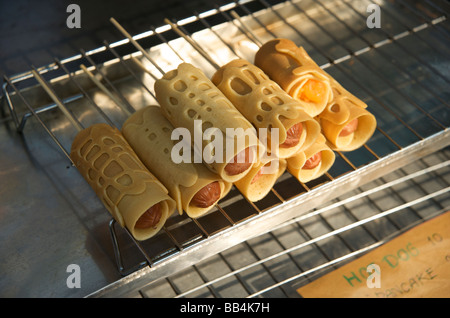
261 178
296 73
345 122
193 186
266 105
134 197
187 96
313 162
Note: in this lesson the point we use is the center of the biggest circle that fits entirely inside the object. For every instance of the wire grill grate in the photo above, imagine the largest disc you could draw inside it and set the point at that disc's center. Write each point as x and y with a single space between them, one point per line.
304 248
403 64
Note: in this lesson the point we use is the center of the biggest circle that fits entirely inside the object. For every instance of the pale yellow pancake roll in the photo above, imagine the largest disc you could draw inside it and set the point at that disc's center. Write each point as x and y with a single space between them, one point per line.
345 120
297 74
189 99
267 106
135 198
261 178
193 186
313 162
346 124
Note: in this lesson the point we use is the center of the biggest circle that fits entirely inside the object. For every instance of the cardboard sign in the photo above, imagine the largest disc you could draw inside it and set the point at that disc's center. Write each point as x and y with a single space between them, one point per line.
414 264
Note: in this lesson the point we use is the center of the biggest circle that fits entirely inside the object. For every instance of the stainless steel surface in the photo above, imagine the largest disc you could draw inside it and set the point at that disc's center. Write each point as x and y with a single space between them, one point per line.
400 70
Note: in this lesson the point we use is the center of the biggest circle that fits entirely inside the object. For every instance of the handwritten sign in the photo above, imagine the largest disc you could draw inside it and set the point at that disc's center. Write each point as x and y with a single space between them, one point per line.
414 264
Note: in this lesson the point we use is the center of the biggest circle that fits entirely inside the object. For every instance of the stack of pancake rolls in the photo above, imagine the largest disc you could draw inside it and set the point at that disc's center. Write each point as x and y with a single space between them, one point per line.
245 127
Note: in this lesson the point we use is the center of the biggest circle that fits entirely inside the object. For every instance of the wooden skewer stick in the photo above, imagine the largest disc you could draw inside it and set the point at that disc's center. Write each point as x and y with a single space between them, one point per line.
104 89
193 43
56 99
142 67
246 29
136 44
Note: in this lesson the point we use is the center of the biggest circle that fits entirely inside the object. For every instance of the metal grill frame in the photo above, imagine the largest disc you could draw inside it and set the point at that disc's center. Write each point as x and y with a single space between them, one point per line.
273 260
263 220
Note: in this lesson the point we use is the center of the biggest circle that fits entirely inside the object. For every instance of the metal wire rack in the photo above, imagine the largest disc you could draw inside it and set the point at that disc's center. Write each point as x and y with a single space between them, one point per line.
295 253
399 70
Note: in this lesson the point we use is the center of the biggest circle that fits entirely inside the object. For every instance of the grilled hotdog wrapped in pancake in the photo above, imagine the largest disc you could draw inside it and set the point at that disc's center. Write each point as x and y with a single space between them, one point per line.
193 186
267 106
261 178
313 162
296 73
134 197
186 95
345 121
